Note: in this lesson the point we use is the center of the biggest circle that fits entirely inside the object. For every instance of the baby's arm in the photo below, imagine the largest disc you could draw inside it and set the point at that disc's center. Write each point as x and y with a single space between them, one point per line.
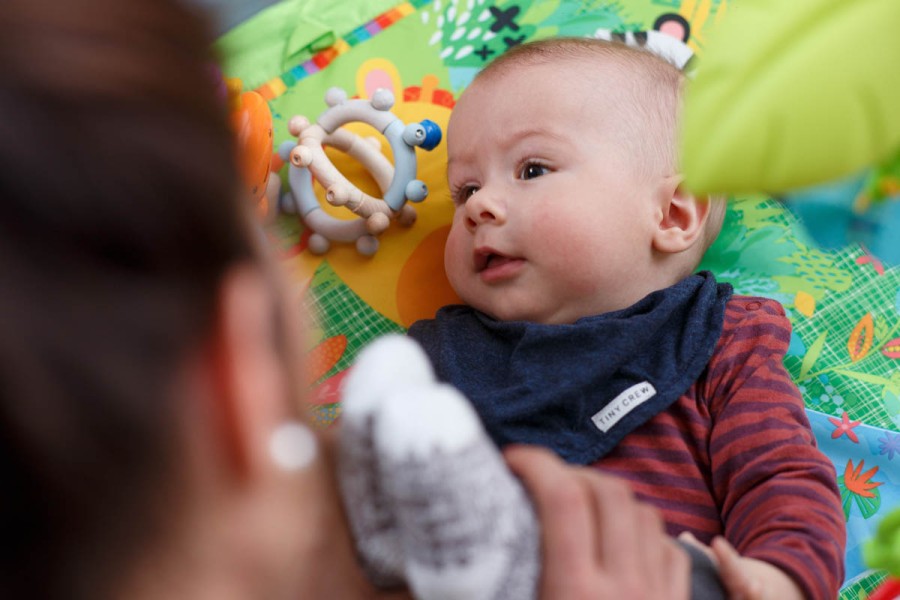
778 495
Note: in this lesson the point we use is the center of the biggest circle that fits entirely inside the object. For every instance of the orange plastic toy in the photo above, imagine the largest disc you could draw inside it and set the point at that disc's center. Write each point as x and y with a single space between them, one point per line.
251 121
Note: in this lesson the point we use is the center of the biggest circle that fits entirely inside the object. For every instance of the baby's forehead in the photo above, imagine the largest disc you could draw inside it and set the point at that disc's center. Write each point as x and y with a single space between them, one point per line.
550 89
579 67
572 76
616 97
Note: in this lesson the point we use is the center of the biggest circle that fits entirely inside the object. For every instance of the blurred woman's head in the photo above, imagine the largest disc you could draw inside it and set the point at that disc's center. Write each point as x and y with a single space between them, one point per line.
120 221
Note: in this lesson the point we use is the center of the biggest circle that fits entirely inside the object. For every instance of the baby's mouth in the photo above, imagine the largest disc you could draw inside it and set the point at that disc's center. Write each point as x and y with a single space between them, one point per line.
488 258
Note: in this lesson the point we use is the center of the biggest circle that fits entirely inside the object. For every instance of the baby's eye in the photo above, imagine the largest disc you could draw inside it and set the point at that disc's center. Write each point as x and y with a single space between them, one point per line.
460 195
532 170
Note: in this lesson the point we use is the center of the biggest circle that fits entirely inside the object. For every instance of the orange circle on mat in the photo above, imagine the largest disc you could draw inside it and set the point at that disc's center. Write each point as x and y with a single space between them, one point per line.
423 287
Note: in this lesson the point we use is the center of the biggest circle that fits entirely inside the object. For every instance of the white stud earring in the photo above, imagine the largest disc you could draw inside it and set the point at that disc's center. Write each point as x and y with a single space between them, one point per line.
292 446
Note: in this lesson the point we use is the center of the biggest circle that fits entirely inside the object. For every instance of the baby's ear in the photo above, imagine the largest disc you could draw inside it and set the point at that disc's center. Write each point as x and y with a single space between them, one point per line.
682 217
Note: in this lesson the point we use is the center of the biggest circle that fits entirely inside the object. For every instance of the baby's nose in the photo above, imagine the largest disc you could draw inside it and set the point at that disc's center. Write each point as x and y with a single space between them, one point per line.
482 208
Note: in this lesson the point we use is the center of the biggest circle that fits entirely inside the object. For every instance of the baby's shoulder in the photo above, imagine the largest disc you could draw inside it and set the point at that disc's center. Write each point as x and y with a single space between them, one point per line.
750 317
755 338
752 328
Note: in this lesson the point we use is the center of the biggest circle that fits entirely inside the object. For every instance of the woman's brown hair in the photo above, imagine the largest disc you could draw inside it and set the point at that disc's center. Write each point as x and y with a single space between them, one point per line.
118 217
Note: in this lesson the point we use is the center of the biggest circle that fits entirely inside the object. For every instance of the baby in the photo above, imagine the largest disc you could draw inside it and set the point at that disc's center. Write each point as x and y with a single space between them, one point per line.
585 329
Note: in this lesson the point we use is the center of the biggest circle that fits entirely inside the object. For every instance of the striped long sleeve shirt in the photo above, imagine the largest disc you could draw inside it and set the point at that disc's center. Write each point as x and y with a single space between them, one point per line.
735 456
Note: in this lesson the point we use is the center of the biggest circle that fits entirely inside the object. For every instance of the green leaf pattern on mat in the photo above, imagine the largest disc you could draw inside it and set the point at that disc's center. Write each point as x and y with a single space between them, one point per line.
334 305
470 33
860 587
815 273
763 250
812 355
849 371
463 29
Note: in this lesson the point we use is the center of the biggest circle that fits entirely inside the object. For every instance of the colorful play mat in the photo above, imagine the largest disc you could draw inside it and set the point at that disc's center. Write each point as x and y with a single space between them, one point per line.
835 270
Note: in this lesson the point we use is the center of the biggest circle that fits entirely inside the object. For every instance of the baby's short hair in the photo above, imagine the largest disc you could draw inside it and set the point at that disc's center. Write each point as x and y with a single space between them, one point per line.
653 98
718 205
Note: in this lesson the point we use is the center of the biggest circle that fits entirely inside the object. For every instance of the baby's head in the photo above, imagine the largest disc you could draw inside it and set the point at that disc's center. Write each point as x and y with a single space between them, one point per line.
562 166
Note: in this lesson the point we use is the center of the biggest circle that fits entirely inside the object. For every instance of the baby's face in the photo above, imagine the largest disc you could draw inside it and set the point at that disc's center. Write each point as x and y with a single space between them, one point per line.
553 217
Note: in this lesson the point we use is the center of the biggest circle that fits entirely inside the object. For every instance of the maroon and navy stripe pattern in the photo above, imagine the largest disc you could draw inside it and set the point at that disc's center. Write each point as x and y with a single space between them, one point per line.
735 456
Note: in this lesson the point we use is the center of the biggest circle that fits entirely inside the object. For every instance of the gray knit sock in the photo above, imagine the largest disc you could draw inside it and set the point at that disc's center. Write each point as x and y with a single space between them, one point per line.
429 498
467 527
378 371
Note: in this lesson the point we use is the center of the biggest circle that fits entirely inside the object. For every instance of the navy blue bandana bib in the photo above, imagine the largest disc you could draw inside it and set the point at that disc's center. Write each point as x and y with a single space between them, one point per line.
580 388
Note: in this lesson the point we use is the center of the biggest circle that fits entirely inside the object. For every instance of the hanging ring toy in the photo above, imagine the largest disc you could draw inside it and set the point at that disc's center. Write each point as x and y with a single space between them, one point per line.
397 182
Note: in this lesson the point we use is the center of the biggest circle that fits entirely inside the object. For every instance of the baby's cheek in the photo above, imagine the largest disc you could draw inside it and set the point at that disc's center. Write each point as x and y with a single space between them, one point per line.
565 239
583 265
454 259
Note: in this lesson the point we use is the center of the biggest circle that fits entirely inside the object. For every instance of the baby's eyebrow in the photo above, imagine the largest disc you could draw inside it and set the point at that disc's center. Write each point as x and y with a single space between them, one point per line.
517 136
508 142
456 161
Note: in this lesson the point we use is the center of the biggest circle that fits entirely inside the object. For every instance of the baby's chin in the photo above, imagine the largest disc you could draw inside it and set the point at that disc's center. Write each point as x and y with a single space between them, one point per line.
512 306
560 314
527 314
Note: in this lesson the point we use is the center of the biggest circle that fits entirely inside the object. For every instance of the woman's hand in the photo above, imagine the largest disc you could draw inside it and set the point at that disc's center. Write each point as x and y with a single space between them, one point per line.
598 540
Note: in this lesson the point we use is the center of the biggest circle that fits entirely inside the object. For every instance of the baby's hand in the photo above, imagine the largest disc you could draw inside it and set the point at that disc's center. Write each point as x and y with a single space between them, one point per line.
736 572
746 578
